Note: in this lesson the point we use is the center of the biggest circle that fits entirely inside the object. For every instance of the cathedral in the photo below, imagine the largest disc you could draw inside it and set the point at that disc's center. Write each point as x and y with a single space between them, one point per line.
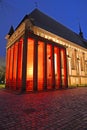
42 54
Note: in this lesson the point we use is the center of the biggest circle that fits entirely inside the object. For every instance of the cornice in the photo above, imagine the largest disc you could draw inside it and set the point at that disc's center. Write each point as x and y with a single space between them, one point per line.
16 35
48 35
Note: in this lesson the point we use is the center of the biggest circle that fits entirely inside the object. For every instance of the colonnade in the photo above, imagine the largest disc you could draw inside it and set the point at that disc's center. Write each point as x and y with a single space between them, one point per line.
36 64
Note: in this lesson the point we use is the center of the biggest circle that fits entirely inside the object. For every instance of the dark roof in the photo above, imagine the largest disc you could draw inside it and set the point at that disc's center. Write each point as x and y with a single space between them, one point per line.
45 22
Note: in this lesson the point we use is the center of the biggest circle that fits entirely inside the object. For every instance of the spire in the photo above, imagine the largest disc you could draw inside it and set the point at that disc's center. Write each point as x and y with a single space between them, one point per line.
11 31
80 32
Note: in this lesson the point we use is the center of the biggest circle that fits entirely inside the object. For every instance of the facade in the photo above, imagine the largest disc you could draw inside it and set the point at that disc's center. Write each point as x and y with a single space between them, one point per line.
42 54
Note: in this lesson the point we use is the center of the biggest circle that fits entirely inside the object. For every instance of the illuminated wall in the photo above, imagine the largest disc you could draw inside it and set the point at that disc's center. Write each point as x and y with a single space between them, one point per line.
45 65
14 66
76 62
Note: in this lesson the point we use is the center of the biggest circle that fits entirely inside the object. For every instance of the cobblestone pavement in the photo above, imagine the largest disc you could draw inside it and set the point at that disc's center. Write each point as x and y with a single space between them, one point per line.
54 110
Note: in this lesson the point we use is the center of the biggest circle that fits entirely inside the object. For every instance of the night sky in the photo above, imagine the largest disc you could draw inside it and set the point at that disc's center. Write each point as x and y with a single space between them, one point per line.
70 13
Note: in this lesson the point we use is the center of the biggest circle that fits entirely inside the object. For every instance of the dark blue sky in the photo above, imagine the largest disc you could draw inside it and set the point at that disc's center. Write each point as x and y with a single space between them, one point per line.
68 12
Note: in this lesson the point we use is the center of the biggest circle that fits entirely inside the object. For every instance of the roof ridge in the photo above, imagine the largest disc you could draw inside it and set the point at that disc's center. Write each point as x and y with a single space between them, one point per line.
42 20
38 11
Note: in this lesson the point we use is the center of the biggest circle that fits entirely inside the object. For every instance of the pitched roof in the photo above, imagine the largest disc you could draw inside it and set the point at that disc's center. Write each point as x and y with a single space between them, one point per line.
45 22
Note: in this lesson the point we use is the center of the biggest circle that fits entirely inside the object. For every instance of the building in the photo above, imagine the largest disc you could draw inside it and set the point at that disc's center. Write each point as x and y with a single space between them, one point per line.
42 54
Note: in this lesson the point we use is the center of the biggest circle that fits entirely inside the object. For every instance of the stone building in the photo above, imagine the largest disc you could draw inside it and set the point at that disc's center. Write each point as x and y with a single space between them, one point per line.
42 54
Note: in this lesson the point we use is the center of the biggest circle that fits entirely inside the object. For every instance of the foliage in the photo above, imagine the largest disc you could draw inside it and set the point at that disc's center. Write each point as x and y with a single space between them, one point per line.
2 74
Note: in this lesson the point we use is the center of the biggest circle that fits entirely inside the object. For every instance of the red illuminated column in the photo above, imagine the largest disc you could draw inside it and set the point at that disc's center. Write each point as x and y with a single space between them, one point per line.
53 69
15 65
59 67
7 67
45 66
49 67
11 68
19 64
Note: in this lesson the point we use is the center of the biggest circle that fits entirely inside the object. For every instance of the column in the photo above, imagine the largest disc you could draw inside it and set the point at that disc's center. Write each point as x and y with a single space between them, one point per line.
49 67
35 65
11 67
53 69
24 60
57 67
15 65
19 65
65 69
45 66
7 67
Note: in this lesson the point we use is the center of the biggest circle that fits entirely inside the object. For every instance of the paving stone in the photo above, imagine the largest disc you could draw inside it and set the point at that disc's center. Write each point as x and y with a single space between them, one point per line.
55 110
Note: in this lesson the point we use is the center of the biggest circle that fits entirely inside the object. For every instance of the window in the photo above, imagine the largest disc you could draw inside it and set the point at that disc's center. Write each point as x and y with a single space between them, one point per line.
82 62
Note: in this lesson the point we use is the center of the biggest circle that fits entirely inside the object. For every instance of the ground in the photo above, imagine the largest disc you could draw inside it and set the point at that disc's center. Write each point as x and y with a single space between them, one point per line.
54 110
2 86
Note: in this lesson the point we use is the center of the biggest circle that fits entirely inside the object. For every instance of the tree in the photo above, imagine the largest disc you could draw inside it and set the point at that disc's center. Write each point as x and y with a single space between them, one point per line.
2 74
